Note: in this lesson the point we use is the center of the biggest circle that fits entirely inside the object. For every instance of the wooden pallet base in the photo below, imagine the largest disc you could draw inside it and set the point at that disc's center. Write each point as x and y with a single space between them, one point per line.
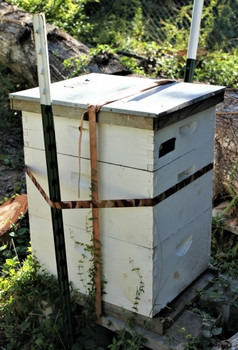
187 325
164 330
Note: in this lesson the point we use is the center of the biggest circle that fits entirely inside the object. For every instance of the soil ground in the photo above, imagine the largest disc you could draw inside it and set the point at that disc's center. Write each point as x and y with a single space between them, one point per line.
12 178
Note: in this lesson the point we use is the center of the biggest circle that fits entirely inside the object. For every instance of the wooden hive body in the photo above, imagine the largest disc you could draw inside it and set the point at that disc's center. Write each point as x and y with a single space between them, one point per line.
156 143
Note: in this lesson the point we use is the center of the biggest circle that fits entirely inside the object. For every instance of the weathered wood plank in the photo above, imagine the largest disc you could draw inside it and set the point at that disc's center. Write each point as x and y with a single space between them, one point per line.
189 110
168 316
189 295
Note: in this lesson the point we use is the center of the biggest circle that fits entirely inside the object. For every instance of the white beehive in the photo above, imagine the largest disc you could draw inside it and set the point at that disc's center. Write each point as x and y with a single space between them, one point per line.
158 143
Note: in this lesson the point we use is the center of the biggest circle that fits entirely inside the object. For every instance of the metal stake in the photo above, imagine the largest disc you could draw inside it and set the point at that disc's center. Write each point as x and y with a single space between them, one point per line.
193 40
52 171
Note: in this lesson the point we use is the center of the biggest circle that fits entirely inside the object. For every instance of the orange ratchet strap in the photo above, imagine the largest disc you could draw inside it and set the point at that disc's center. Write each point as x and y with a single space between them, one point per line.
95 203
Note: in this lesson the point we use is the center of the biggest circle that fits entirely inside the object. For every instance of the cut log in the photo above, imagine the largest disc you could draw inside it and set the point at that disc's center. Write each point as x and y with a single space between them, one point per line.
18 51
10 212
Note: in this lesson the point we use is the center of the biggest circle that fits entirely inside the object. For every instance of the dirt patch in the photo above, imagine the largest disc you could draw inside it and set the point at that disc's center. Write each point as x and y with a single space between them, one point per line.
11 181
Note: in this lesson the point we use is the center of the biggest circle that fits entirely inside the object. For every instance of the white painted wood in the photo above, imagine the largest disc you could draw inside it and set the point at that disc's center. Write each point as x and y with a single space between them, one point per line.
115 182
118 182
130 147
190 133
43 249
146 227
181 258
174 212
181 168
171 273
93 88
42 242
170 242
165 271
116 144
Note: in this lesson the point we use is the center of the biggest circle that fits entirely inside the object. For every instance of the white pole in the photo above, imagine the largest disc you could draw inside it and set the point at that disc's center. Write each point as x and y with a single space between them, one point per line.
42 58
193 40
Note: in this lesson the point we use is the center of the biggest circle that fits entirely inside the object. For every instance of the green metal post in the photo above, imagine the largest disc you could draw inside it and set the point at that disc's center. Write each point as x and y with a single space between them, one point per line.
193 40
189 70
53 173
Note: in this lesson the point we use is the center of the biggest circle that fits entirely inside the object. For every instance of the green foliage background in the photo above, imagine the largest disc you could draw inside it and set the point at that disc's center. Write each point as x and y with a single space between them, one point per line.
124 25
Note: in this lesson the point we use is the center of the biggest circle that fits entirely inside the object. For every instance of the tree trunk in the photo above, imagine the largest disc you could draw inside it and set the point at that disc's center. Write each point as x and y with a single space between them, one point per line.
226 145
17 52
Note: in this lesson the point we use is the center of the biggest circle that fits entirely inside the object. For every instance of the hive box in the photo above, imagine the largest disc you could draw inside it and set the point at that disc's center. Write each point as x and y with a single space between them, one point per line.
153 143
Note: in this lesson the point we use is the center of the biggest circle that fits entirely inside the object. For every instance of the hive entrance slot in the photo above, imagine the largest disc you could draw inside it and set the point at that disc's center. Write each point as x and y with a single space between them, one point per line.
167 147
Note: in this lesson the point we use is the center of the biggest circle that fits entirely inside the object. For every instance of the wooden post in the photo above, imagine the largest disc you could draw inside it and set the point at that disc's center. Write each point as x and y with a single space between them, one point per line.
52 172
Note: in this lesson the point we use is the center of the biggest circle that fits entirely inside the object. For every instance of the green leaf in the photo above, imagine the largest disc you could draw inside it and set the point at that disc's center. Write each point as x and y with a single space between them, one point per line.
20 240
3 247
10 262
6 161
24 326
40 341
22 231
77 346
216 330
89 344
206 333
7 253
48 323
13 234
